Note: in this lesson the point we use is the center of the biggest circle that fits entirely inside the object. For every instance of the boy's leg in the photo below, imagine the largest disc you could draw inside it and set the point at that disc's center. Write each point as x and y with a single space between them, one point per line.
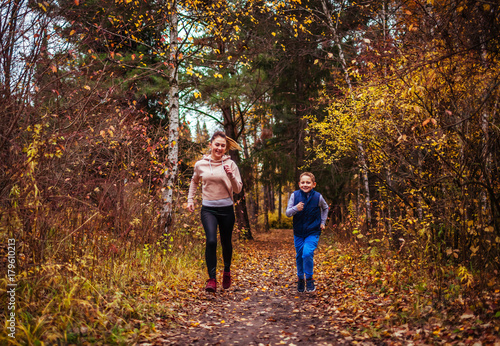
299 247
310 244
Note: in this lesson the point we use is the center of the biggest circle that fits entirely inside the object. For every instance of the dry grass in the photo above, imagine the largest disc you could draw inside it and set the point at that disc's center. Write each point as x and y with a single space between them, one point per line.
114 301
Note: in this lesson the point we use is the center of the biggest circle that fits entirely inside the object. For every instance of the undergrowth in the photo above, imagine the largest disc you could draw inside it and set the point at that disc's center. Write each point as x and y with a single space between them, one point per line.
115 301
387 291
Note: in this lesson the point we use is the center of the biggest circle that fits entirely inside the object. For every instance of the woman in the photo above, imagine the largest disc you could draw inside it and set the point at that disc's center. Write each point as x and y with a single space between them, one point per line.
220 178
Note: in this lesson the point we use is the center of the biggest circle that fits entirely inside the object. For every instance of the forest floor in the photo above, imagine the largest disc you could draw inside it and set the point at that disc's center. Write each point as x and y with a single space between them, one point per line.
263 307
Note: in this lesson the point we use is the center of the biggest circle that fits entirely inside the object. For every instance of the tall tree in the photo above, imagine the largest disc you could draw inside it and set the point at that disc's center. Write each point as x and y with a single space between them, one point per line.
173 102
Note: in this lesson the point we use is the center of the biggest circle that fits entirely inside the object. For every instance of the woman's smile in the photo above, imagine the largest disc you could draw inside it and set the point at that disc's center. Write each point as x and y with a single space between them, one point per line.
218 148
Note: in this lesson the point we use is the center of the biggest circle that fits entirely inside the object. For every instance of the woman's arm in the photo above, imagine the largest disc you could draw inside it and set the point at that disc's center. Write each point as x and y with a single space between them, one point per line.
195 180
234 176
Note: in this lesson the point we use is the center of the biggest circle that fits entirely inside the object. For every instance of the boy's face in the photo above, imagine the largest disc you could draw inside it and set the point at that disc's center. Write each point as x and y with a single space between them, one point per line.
306 184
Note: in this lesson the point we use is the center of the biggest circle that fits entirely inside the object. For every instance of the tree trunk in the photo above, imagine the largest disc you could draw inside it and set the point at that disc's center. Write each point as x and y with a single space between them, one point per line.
266 207
249 180
173 134
280 206
240 203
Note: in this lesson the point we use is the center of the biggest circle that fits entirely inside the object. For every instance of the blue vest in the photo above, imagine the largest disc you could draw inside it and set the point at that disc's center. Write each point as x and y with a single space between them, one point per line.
308 221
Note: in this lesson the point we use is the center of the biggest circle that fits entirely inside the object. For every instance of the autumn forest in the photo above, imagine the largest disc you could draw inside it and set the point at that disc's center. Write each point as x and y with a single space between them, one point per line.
107 104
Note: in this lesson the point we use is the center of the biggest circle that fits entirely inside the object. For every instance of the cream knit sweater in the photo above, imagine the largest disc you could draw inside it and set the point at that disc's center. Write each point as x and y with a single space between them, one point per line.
215 181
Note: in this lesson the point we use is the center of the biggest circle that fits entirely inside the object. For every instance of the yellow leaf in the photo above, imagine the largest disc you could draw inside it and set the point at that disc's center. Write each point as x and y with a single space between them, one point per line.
53 68
72 32
86 87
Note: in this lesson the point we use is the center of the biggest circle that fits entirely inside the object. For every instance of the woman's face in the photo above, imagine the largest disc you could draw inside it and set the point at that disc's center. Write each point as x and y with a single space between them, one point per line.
218 147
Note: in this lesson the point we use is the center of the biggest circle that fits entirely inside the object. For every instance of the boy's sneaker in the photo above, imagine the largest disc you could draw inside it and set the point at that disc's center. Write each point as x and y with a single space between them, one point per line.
226 280
211 285
301 285
310 285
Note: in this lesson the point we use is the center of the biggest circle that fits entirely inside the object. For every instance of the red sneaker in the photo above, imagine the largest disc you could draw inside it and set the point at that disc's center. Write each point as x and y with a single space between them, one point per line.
211 285
226 280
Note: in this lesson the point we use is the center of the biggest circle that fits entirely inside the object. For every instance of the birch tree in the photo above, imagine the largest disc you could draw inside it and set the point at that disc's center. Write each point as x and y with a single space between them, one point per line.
173 133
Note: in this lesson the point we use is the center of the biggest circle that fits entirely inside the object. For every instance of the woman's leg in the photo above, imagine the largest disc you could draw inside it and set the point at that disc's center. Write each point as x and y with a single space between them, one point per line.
226 224
209 221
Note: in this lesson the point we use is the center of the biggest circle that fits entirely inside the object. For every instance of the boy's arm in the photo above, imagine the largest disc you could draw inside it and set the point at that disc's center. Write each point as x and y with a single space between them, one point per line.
324 210
290 209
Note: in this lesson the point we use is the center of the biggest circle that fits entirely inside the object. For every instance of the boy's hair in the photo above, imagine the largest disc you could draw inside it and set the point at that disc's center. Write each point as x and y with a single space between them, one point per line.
308 174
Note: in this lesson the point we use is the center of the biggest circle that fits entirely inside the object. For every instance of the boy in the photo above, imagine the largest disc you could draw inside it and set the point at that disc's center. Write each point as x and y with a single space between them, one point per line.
309 211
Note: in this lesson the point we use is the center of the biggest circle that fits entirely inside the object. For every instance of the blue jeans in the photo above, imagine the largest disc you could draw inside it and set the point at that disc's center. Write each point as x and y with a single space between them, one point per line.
304 248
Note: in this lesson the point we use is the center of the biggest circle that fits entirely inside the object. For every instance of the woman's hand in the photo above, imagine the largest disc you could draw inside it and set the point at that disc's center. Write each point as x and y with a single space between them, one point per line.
229 171
190 206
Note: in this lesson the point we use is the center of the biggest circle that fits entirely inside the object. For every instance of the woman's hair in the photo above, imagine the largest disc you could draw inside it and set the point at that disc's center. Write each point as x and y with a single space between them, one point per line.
218 134
308 174
231 143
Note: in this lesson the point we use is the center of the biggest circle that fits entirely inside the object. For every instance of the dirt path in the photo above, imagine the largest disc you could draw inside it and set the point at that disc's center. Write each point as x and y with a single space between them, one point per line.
262 307
361 299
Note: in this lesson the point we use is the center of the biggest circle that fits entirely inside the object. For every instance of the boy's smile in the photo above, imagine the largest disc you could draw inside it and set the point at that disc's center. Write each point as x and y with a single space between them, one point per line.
306 184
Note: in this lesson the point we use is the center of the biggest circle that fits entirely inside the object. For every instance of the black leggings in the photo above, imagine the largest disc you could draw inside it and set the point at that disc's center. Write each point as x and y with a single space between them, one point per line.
210 218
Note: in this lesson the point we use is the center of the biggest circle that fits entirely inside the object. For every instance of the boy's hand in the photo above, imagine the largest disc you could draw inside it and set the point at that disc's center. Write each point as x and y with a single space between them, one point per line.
300 206
322 227
190 207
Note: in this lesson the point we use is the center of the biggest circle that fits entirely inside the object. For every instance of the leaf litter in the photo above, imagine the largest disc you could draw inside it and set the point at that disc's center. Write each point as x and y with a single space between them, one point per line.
357 302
